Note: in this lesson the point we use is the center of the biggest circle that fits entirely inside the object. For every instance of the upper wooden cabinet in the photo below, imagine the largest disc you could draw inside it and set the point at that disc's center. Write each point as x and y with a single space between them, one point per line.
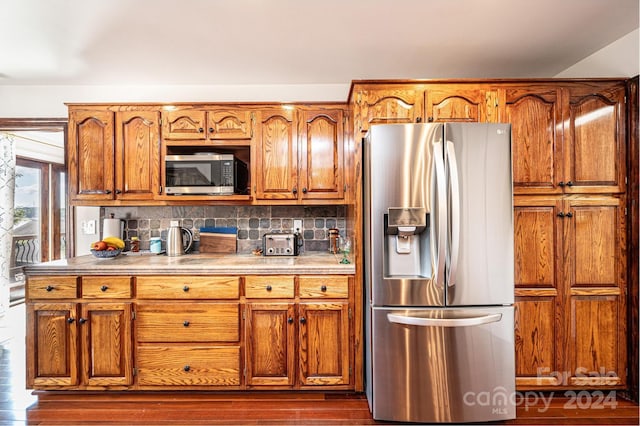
300 154
566 138
103 168
387 104
456 103
215 124
595 134
90 155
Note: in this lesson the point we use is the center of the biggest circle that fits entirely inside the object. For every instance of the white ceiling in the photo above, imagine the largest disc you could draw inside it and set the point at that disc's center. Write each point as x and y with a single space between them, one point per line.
242 42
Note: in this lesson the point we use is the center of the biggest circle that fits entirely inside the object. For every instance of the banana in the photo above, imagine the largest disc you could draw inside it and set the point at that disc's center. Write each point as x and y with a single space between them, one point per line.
114 242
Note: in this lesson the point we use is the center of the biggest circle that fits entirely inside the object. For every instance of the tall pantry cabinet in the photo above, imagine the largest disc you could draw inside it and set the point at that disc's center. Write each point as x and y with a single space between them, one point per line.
568 147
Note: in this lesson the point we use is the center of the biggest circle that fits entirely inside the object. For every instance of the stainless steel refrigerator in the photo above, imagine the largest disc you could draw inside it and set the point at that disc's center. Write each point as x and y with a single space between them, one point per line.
439 285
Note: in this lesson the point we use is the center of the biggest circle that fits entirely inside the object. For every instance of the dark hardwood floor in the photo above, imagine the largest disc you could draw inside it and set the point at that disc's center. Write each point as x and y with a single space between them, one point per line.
19 406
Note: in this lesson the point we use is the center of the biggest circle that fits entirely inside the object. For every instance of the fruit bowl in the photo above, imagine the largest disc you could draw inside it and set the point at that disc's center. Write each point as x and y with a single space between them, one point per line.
106 254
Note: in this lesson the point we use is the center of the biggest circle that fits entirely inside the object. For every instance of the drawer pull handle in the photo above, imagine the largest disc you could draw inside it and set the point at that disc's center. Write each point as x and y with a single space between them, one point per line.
186 368
104 288
290 320
82 320
323 288
185 288
186 323
269 288
70 320
303 320
50 288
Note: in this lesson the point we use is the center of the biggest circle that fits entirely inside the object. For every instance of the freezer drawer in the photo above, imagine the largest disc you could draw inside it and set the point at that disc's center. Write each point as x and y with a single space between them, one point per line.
443 365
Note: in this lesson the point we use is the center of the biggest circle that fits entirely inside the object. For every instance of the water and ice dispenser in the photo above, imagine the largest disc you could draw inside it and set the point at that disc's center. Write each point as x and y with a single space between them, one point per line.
407 243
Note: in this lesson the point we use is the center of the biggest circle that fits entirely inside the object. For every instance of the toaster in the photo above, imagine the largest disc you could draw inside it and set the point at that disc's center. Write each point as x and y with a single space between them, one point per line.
279 244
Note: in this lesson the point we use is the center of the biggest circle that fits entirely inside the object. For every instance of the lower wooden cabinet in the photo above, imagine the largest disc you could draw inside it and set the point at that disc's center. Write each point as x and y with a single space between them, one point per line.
570 300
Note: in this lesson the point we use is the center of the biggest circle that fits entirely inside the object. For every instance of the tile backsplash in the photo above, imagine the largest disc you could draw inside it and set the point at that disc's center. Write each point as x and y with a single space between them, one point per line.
252 222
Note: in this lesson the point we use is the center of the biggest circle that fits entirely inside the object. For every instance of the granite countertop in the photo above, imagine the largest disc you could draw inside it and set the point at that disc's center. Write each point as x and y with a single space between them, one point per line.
195 264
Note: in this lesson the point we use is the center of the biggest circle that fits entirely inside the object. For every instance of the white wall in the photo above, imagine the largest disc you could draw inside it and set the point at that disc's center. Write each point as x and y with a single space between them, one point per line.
619 59
48 101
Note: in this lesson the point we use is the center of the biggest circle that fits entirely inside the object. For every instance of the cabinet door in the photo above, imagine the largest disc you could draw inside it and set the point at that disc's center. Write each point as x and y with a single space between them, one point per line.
106 344
230 124
387 105
277 156
596 278
455 103
52 351
595 152
535 114
538 289
184 124
321 166
91 155
137 155
270 344
323 336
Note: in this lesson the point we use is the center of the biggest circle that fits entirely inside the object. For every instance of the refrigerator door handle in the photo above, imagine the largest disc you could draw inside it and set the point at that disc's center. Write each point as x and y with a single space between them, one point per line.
439 203
444 322
454 188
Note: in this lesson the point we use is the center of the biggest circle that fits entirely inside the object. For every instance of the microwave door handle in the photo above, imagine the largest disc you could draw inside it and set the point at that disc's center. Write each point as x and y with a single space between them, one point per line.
454 192
444 322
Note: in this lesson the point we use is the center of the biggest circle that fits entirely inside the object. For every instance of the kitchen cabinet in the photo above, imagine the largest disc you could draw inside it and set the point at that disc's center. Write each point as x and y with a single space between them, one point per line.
215 124
74 344
570 283
458 103
300 155
301 342
188 332
566 138
113 155
373 104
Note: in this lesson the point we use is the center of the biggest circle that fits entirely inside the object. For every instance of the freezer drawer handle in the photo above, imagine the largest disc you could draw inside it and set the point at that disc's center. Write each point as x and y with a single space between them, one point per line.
444 322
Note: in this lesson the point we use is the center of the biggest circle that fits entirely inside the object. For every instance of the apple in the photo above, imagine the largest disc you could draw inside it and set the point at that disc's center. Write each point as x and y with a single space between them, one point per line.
99 246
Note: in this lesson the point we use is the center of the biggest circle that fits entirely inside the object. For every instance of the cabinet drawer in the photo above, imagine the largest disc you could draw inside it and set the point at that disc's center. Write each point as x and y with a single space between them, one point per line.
188 365
59 287
324 286
272 286
193 322
187 287
106 287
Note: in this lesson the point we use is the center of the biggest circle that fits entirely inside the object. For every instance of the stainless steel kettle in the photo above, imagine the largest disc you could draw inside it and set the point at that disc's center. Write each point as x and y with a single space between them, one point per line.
176 245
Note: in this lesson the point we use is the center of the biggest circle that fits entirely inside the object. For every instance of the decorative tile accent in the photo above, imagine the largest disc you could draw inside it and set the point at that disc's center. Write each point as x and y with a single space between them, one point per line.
252 222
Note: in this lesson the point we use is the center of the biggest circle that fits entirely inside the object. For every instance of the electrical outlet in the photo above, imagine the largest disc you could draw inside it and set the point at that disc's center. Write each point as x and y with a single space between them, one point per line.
89 227
297 225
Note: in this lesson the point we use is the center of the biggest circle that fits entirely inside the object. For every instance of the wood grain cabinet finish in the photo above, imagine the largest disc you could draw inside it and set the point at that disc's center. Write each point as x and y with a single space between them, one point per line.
181 287
300 343
93 349
48 287
103 167
456 103
374 104
570 274
192 124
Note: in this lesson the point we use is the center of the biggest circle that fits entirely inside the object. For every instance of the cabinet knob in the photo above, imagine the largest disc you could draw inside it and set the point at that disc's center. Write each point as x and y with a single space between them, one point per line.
303 320
561 214
107 191
430 119
185 288
118 191
70 320
82 320
186 323
419 119
186 368
290 320
323 288
569 215
269 288
569 184
210 129
49 288
104 288
200 130
304 190
561 184
295 190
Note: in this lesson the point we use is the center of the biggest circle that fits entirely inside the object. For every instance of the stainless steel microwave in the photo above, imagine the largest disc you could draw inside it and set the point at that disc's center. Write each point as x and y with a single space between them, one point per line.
215 174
